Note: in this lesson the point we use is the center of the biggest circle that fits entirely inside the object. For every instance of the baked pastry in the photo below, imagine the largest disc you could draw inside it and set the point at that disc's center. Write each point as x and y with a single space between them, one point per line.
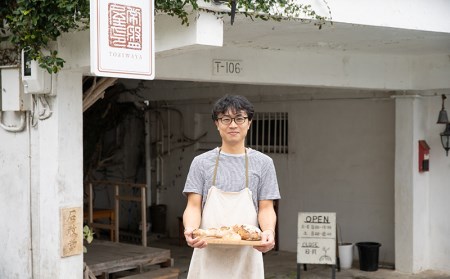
213 232
248 232
237 232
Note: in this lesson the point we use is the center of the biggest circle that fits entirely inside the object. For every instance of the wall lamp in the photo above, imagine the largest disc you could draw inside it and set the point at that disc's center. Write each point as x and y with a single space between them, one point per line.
443 119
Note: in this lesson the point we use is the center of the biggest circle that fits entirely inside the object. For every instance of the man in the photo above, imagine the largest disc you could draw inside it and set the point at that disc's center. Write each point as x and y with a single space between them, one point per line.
230 185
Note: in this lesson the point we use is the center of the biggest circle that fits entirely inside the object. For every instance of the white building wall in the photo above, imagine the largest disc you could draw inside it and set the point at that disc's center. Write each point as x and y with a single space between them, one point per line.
347 70
421 212
15 240
57 178
439 189
42 172
421 200
430 72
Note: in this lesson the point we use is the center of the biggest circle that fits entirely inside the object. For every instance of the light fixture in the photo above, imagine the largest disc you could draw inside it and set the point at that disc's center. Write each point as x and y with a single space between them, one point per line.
445 138
443 119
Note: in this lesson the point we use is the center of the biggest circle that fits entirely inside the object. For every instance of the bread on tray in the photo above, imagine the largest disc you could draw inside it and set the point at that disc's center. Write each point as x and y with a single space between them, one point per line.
236 232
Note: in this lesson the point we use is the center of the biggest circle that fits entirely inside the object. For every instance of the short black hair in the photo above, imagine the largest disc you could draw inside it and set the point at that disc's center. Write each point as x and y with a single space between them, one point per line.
234 102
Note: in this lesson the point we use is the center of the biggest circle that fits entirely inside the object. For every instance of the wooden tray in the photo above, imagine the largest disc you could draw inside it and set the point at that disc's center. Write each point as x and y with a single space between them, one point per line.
214 240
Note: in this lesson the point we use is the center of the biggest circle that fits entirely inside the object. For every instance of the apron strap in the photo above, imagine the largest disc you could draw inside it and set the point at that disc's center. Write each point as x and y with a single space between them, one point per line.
217 165
215 169
246 169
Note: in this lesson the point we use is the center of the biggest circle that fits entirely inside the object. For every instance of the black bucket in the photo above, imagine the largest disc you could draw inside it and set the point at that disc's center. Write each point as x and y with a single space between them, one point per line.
158 218
368 255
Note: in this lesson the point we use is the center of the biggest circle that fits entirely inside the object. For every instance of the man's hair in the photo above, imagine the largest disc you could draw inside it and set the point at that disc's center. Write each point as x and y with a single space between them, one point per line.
235 103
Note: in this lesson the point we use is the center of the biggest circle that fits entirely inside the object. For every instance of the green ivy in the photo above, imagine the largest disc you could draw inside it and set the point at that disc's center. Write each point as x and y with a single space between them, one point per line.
88 235
278 10
32 24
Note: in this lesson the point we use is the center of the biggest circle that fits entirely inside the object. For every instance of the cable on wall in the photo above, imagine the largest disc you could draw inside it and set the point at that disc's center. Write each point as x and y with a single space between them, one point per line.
14 128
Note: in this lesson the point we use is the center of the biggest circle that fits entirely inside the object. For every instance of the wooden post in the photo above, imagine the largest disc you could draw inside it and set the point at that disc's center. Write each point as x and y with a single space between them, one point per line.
143 217
91 206
116 212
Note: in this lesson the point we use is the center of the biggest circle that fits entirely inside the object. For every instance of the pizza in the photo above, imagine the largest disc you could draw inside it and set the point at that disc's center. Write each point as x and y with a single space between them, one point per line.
236 232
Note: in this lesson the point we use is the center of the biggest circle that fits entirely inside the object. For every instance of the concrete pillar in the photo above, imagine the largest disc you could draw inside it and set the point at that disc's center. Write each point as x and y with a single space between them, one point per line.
411 187
15 242
57 177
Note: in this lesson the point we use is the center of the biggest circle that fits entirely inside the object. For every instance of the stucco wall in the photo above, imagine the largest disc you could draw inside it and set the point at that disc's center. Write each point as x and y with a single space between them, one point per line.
439 189
15 241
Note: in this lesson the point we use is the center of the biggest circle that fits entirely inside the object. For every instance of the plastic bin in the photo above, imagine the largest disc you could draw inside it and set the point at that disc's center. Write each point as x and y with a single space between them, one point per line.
368 255
345 255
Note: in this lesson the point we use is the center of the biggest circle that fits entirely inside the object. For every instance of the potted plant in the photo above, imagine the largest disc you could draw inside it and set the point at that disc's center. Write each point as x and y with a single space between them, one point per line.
88 235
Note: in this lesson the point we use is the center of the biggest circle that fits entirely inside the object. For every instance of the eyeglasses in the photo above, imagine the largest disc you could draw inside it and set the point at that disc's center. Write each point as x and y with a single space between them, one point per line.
227 120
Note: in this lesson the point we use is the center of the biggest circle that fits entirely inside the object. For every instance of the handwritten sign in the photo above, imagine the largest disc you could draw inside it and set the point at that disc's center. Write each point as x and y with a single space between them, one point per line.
316 242
71 231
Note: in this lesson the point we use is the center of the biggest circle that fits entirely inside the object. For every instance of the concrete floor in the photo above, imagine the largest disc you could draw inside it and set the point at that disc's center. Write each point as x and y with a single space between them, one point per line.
282 265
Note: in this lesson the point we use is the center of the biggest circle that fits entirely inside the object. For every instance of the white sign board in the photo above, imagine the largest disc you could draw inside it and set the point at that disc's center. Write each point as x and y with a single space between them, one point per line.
122 38
316 242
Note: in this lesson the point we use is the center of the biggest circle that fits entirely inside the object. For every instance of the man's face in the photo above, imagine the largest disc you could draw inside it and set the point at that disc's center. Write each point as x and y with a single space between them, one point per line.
233 126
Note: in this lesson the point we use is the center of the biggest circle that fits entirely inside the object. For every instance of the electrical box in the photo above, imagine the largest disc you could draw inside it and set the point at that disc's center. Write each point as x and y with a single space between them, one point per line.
424 156
35 79
12 96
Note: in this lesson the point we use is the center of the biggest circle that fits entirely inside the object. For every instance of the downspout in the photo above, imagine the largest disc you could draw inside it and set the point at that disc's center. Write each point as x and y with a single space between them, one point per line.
148 160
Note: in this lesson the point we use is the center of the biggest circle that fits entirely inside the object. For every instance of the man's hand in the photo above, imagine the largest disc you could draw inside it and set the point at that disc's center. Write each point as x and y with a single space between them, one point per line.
267 220
191 219
193 242
267 241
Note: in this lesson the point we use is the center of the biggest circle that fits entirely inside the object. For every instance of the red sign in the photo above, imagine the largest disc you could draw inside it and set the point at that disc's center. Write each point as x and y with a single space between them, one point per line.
125 26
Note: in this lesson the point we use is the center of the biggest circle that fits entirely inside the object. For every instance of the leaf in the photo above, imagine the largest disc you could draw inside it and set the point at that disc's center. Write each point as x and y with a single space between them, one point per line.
88 234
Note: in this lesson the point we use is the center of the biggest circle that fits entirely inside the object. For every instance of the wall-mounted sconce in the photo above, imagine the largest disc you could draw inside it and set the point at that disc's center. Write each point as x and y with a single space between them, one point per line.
443 119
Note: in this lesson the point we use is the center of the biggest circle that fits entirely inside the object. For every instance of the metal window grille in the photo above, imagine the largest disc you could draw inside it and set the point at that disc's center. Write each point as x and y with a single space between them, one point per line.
269 132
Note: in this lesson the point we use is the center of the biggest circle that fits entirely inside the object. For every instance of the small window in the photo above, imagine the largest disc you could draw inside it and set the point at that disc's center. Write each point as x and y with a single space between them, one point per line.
269 132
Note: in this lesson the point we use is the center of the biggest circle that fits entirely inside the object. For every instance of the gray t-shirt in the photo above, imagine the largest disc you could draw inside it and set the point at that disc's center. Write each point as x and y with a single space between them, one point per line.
230 177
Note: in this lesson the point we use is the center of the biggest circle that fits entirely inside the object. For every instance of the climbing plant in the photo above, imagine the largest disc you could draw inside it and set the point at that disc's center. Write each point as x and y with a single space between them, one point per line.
32 25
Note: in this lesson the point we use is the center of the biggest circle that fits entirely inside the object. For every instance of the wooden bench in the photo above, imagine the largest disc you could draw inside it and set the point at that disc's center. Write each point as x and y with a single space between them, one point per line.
161 273
99 214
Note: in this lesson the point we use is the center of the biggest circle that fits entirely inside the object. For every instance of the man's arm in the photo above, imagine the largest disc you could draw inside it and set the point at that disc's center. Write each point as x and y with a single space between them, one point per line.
267 220
192 217
193 213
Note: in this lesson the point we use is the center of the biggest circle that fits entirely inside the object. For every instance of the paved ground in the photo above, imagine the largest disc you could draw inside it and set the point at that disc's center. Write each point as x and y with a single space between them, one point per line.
282 265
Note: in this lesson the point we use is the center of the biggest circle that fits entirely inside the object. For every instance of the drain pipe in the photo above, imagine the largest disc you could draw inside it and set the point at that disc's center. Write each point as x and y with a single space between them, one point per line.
148 160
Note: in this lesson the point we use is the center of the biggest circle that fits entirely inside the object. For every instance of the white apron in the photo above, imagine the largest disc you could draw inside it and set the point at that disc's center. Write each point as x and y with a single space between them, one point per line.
227 261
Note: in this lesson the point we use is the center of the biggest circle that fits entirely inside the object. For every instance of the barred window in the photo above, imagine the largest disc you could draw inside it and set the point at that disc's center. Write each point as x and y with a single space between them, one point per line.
269 132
